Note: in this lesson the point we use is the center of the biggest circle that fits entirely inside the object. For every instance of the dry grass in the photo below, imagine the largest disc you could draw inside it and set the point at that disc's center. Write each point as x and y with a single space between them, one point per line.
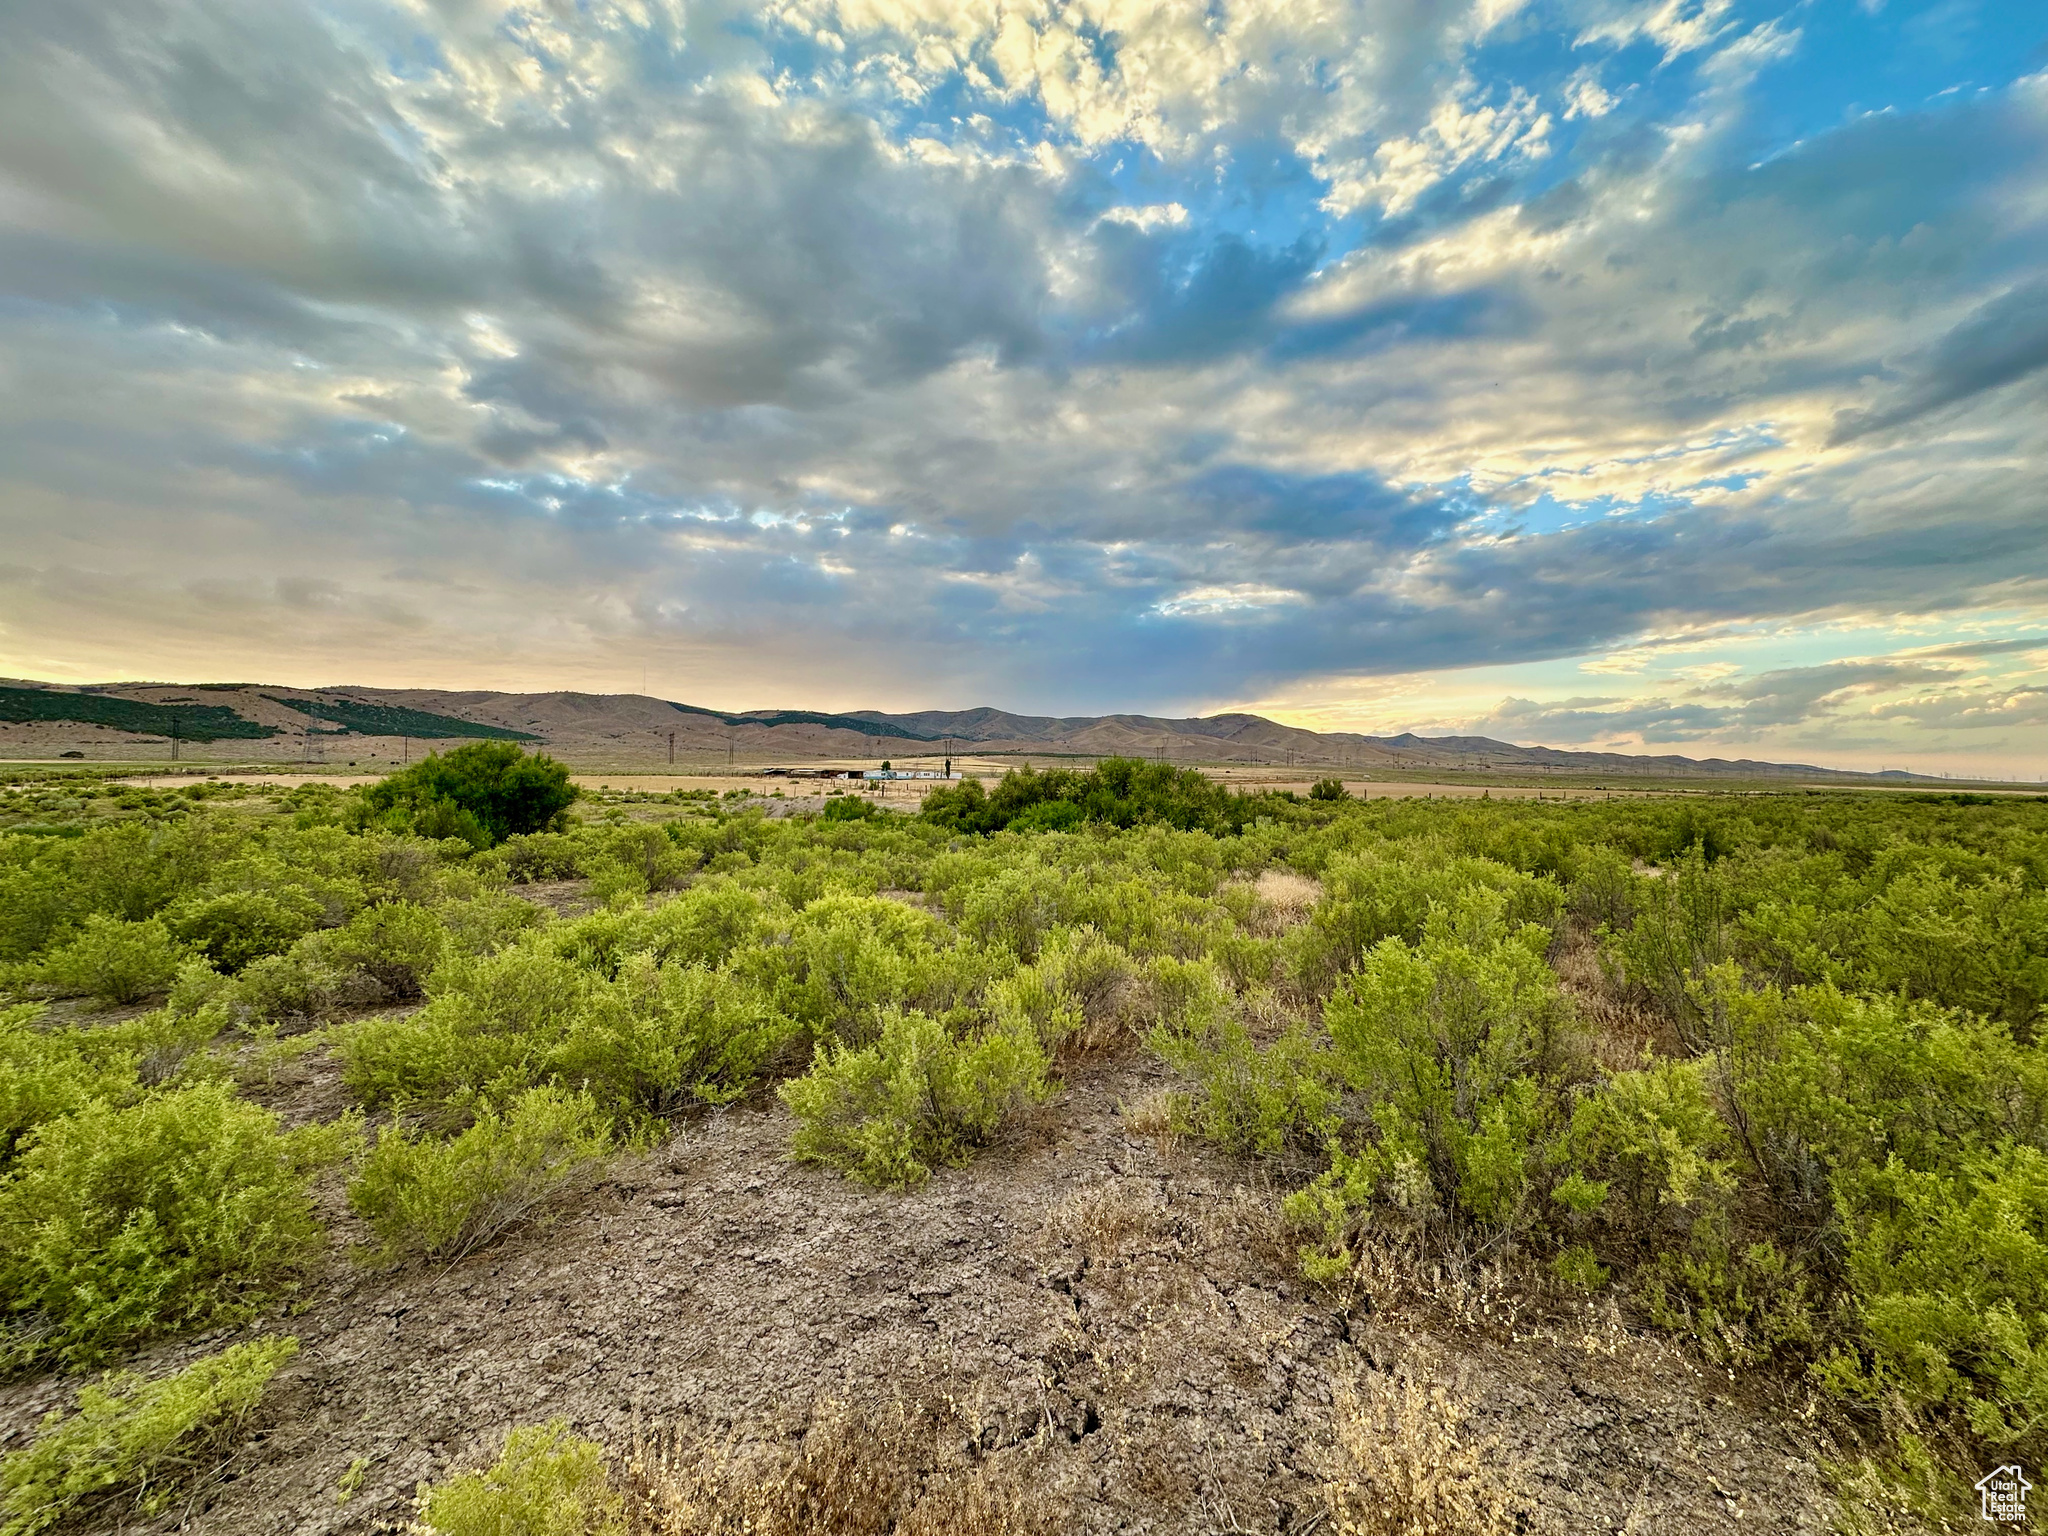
1622 1031
1285 899
1403 1466
1099 1218
852 1472
1153 1115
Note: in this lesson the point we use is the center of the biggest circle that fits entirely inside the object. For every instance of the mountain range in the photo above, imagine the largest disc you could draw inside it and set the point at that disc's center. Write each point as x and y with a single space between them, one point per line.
257 721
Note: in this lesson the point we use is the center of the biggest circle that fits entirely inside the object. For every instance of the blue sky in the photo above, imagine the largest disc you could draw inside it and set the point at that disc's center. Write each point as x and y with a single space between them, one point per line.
1665 376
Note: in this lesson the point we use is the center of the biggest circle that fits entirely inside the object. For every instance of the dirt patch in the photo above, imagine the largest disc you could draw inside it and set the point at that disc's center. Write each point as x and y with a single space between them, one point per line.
564 898
1121 1308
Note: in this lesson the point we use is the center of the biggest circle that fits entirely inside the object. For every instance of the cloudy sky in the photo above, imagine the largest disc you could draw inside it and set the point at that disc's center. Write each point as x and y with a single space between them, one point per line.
1645 373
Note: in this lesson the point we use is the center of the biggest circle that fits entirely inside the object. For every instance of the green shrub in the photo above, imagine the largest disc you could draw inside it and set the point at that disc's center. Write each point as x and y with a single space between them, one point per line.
396 944
134 1442
1680 933
1449 1042
1328 789
486 1033
705 925
438 1199
1950 1275
233 928
636 861
181 1211
850 957
1253 1099
46 1074
114 962
1019 908
483 793
850 808
299 987
917 1098
531 857
1083 989
1645 1146
672 1036
547 1482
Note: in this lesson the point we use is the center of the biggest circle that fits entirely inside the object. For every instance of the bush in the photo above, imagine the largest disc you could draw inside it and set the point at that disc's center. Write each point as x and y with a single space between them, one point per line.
547 1482
182 1211
487 1033
139 1440
44 1074
1448 1043
483 793
235 927
444 1199
853 956
1328 789
114 962
888 1113
532 857
1680 933
1249 1099
298 987
850 808
396 944
675 1035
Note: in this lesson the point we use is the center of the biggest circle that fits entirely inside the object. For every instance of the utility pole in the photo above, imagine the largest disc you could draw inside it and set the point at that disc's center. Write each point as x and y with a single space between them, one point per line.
671 749
174 738
728 748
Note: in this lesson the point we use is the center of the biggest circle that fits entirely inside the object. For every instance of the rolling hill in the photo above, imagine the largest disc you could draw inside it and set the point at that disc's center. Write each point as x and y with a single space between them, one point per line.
244 721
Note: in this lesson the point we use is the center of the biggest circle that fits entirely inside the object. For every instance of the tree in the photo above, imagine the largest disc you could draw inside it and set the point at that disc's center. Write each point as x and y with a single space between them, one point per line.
483 793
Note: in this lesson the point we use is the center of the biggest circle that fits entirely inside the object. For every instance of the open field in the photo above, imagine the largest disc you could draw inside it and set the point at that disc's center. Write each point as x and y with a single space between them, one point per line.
1605 1162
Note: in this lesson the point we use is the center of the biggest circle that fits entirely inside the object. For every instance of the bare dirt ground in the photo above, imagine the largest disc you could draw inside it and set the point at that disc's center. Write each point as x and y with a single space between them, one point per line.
1110 1308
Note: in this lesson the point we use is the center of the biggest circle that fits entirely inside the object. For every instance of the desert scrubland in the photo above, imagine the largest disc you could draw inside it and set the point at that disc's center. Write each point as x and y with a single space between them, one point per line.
1087 1151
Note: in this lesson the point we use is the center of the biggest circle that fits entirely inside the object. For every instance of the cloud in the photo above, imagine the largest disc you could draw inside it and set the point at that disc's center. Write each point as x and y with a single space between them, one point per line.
1243 344
1999 343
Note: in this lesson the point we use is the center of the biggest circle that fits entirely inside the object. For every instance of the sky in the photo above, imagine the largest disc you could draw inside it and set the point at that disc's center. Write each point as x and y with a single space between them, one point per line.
1652 375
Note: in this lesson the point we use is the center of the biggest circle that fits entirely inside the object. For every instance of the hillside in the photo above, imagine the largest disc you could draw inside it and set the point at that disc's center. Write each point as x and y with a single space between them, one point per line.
244 721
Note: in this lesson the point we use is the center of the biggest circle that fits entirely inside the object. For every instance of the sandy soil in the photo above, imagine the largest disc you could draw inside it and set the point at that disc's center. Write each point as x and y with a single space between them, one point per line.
1116 1309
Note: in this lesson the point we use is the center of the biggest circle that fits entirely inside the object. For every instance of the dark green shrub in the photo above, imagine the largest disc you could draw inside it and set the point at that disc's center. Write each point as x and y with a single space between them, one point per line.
136 1444
1328 789
850 808
181 1211
430 1198
918 1098
483 793
114 962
